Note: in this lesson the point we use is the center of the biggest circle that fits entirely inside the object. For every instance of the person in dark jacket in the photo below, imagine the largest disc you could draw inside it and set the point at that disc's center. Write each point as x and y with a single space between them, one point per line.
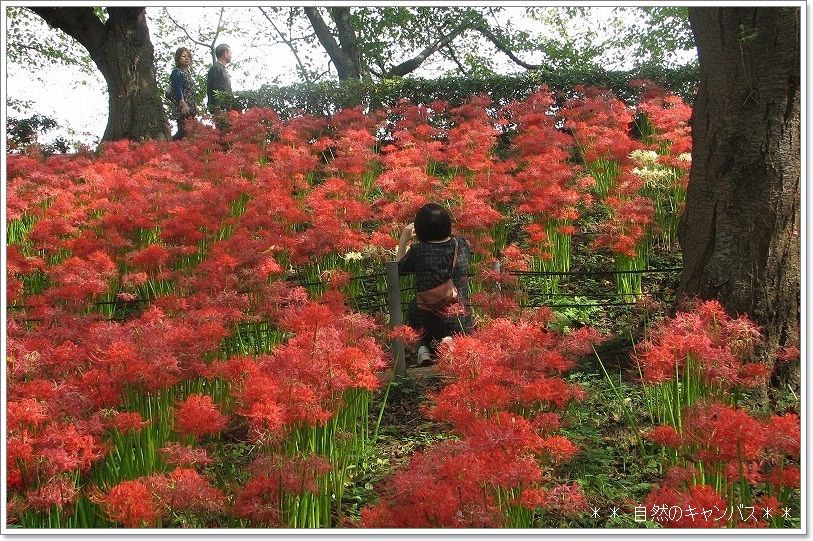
183 91
218 80
430 259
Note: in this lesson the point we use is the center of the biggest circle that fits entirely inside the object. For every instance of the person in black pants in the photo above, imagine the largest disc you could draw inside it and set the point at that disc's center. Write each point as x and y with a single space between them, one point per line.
430 259
218 80
183 91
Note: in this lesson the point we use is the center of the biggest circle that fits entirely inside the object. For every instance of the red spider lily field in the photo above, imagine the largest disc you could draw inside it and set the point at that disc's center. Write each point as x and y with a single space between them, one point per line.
198 336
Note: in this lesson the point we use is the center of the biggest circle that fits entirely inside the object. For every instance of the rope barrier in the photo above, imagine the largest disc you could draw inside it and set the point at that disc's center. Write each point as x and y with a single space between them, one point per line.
378 294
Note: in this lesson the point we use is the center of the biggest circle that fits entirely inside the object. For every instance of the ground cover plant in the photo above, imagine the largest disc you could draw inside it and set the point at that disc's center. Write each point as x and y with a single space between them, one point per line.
197 335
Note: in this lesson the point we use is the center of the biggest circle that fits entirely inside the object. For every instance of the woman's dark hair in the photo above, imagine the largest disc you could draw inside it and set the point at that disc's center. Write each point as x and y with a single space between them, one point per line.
178 53
432 222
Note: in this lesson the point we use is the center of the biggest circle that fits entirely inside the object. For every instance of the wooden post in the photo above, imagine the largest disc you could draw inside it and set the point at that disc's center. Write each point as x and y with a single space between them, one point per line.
396 317
496 268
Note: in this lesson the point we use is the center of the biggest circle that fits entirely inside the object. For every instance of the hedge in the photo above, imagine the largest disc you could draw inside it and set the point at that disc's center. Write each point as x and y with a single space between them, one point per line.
327 97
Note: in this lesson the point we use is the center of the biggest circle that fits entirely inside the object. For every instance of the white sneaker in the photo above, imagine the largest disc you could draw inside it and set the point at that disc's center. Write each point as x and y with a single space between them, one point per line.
424 356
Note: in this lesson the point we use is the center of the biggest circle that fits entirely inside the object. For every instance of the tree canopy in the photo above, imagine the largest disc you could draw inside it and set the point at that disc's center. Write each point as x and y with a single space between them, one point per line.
379 43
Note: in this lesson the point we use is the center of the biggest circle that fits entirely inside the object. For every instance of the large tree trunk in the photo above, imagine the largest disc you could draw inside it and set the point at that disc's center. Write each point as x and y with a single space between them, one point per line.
740 233
344 53
122 50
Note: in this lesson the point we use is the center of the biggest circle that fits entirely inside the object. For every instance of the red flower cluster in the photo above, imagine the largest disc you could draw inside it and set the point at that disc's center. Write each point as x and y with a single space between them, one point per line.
506 380
197 416
261 498
732 446
302 383
721 346
189 238
147 501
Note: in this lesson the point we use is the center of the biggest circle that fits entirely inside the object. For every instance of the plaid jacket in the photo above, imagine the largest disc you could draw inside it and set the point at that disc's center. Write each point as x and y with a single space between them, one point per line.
430 262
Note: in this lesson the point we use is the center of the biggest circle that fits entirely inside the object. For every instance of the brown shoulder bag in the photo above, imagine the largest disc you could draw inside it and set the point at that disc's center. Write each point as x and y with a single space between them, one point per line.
437 299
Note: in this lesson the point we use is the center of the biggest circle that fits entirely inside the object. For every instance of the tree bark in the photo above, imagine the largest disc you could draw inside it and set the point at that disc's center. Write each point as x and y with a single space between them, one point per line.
122 50
414 63
347 64
740 232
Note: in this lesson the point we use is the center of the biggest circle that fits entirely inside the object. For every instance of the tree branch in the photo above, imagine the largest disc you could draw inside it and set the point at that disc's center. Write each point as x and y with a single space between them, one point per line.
183 29
414 63
287 41
217 34
340 59
209 46
452 55
489 35
354 69
81 23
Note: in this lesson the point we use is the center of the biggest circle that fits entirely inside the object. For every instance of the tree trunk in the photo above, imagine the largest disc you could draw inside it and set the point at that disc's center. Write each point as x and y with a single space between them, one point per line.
122 50
344 53
740 233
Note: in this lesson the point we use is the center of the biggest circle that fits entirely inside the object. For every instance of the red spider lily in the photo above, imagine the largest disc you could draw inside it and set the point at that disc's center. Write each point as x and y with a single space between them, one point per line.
559 448
259 502
36 389
788 354
126 421
724 433
220 216
769 503
455 310
399 179
178 455
352 152
629 217
665 435
697 497
784 476
302 382
748 472
58 492
186 491
667 113
546 422
25 413
567 500
19 457
130 503
600 123
442 488
496 305
679 477
296 474
197 416
256 126
468 144
63 448
78 281
532 498
405 333
515 259
784 436
721 345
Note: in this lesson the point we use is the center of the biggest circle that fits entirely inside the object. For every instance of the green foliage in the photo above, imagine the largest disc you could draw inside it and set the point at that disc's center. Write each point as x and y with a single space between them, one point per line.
21 133
570 316
625 36
659 36
325 98
33 45
390 35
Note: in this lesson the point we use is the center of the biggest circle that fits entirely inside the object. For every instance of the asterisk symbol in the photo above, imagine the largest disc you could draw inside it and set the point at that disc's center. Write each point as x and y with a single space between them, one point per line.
595 512
767 514
615 511
786 512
